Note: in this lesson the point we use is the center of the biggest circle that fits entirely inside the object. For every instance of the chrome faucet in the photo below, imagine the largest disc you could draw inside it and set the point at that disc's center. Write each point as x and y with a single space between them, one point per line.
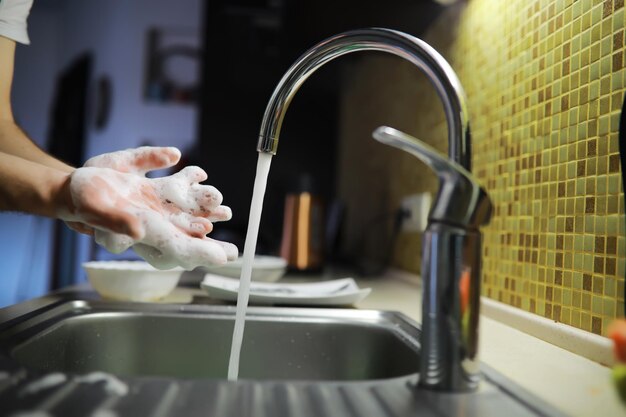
451 257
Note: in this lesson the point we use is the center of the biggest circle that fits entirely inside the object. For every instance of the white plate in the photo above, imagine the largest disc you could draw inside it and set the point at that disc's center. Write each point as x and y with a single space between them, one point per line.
264 268
337 292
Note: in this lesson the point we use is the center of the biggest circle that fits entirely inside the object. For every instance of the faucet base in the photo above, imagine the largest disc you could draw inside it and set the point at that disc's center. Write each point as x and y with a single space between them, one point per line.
451 300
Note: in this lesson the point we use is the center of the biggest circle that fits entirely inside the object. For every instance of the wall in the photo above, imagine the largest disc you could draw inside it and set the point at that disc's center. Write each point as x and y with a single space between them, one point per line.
545 82
115 31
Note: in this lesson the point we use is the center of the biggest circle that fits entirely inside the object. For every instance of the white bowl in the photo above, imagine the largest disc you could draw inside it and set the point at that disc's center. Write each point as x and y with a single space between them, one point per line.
264 268
131 280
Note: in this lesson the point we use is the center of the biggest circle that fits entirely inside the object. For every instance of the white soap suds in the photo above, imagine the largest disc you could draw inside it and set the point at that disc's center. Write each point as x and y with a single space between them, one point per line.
174 213
48 381
138 160
112 385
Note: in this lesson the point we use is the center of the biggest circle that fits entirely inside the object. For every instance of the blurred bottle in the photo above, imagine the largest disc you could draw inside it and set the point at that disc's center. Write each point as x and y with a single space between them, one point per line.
302 243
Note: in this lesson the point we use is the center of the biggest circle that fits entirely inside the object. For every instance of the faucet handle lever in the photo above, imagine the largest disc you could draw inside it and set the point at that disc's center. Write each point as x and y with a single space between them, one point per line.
460 200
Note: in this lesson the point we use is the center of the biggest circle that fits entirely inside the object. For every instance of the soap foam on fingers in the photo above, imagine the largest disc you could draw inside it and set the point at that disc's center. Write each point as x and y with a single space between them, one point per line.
220 214
194 226
206 196
232 253
155 257
192 175
170 216
139 160
113 242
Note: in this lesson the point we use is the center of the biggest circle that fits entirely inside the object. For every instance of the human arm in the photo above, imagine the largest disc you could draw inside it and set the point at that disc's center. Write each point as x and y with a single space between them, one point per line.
13 140
33 188
167 218
30 187
21 192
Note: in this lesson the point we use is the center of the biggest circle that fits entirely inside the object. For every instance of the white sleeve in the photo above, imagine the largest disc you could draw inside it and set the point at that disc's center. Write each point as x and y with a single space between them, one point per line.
13 15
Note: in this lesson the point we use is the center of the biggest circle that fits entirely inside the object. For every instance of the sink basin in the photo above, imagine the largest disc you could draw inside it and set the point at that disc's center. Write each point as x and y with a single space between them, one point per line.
60 355
310 344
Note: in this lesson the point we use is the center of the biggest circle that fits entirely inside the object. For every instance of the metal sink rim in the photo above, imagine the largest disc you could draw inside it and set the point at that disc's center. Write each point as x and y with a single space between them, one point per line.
48 320
387 391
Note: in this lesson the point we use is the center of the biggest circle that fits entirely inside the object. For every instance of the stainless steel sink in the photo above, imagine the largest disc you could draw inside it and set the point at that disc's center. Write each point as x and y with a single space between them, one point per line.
173 359
279 344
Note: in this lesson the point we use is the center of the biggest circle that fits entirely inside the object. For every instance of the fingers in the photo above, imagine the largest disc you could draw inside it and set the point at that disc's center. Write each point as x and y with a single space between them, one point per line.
155 257
192 225
231 251
107 160
80 228
202 252
181 191
187 250
177 242
149 158
206 197
220 214
137 161
191 175
113 242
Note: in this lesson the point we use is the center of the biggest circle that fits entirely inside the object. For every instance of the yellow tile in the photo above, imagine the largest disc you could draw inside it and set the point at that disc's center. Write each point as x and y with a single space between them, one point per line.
603 122
607 27
609 286
618 19
617 81
544 98
596 32
606 46
596 305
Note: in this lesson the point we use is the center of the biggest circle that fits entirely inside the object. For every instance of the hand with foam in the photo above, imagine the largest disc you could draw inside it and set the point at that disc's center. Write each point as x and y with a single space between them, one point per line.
165 220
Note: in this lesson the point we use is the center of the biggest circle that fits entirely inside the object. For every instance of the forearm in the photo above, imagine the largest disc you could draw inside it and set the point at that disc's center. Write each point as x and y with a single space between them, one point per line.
13 141
33 188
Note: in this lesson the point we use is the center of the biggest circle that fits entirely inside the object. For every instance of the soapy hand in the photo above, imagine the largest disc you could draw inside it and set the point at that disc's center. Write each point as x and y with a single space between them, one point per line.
165 220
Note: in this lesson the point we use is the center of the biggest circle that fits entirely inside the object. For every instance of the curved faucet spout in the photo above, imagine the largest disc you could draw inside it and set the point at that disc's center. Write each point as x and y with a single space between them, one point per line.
397 43
451 257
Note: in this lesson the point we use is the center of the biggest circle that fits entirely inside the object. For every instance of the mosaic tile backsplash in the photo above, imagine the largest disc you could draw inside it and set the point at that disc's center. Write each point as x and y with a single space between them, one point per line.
545 82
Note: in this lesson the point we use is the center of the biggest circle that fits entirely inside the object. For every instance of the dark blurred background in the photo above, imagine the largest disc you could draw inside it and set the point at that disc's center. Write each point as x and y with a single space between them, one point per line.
248 46
103 76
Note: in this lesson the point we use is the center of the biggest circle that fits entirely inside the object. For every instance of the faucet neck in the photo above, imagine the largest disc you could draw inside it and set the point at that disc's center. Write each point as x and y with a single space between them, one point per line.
414 50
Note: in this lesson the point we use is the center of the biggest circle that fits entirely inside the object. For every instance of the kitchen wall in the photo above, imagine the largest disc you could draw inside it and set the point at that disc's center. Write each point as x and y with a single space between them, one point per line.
545 82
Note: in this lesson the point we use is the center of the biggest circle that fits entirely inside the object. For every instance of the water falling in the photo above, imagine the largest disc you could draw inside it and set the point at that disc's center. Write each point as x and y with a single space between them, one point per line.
260 182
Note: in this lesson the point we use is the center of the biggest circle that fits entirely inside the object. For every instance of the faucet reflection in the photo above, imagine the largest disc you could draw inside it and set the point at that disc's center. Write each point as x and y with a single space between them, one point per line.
451 256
